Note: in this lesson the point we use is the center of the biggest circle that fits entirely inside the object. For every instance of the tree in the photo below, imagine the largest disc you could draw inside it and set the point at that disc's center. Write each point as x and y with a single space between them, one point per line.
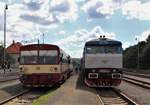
148 39
146 57
130 57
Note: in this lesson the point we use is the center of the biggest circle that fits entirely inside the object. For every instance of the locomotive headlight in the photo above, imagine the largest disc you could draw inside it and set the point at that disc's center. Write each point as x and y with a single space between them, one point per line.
93 70
114 70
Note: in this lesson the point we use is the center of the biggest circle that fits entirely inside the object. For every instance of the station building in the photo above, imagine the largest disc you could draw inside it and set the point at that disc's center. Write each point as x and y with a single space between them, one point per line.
13 51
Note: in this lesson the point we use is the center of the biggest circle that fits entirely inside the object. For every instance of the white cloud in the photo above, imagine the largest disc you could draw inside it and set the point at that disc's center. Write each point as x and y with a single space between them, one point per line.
143 36
126 45
27 20
64 10
101 8
135 9
62 32
35 16
74 43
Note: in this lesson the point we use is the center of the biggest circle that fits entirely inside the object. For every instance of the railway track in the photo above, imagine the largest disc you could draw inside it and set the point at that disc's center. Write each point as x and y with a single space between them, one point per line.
26 97
138 74
138 82
9 79
5 102
112 96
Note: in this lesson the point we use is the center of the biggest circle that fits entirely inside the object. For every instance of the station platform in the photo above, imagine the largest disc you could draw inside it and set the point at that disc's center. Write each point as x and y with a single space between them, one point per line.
9 74
73 93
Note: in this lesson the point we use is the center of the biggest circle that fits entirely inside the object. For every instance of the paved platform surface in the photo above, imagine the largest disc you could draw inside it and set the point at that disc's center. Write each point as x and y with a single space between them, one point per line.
9 74
72 92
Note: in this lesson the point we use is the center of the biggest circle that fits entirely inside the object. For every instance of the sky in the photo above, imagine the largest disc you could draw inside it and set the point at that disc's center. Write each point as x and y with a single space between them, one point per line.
70 23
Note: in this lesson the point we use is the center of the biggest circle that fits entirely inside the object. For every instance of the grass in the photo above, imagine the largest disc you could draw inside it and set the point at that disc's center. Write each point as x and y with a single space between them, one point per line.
44 99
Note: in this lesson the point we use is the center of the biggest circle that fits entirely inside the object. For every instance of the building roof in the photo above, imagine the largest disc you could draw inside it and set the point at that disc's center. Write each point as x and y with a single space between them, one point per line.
14 48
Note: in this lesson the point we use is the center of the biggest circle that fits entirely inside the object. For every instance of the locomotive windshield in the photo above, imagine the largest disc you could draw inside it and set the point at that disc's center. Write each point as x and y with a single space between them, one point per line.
44 57
103 49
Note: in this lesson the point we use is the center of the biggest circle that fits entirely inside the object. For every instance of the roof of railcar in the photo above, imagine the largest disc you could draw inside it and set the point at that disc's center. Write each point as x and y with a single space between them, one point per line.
39 46
103 41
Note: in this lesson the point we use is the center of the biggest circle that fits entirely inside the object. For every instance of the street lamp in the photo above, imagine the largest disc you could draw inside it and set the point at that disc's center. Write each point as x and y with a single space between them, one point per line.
4 59
138 54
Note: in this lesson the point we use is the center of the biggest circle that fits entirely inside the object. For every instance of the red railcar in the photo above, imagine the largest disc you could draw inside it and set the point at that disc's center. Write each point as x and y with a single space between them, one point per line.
43 65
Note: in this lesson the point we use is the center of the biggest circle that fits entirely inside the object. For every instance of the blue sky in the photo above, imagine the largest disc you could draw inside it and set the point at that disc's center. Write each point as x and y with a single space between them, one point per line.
70 23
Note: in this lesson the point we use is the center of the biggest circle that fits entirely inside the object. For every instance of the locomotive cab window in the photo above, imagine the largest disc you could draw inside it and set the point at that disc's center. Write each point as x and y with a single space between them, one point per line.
103 49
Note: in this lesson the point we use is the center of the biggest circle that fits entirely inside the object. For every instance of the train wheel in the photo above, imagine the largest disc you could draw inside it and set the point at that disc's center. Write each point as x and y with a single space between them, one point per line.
68 75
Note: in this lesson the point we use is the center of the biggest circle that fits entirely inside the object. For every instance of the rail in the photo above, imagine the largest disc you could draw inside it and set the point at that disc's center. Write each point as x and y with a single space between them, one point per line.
114 97
140 83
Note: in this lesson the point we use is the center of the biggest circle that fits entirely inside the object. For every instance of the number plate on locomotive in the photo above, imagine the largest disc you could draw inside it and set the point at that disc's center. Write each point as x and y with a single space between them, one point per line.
104 71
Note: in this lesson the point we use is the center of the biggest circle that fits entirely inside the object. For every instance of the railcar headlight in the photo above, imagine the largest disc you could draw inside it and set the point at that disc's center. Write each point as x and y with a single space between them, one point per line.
25 68
20 68
55 68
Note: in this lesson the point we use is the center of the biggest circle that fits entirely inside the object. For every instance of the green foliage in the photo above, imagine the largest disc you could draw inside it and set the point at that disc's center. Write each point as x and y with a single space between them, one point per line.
148 39
130 55
42 100
145 57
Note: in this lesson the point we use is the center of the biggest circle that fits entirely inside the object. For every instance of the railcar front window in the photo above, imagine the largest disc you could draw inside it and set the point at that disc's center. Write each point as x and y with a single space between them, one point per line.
28 59
47 59
44 57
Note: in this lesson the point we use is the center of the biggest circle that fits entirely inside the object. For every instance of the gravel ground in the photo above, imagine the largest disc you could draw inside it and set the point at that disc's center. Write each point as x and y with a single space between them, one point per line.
73 92
139 94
